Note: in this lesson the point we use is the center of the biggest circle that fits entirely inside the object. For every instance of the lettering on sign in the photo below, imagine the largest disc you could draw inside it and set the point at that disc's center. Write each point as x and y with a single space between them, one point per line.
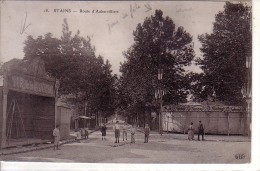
32 85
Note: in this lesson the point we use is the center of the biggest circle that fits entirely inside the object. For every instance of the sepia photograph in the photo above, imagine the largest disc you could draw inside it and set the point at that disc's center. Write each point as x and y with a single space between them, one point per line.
127 85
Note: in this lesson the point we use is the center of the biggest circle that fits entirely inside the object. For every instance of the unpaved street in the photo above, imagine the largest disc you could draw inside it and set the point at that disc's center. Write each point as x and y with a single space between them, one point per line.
161 149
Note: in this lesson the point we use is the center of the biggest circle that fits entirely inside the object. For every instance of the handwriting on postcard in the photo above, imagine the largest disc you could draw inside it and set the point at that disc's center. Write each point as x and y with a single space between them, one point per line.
24 25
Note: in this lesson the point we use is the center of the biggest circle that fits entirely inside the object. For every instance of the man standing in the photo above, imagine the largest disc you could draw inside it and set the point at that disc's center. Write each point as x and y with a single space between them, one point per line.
56 135
117 132
124 133
146 133
132 134
200 131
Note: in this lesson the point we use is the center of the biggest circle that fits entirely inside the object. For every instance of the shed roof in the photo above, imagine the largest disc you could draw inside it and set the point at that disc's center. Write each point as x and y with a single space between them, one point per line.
83 117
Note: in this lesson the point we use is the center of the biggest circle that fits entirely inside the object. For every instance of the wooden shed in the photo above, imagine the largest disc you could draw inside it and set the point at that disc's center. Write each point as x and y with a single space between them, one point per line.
27 103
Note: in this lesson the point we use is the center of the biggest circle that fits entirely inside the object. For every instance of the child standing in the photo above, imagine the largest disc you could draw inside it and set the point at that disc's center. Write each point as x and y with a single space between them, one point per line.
78 134
103 131
124 133
56 135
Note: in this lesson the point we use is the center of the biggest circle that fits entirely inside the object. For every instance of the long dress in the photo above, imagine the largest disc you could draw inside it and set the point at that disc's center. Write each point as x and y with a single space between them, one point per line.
191 132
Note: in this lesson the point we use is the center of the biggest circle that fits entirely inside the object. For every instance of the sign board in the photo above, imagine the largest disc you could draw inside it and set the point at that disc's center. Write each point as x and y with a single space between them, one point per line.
30 84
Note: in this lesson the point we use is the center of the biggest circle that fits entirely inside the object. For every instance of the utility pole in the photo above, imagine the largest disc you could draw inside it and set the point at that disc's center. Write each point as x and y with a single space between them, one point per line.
160 76
247 87
160 93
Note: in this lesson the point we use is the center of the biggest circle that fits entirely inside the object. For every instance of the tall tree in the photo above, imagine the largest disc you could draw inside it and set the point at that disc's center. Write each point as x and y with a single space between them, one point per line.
84 78
224 53
159 44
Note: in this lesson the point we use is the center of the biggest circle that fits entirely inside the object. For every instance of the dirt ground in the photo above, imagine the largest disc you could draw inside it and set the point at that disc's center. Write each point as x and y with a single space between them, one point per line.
166 149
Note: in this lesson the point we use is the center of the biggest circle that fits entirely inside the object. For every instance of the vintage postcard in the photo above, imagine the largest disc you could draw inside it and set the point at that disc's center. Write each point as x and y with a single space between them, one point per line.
128 85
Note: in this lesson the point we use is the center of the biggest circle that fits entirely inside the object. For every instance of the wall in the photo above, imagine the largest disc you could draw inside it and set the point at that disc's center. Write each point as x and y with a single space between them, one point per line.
37 114
63 119
215 122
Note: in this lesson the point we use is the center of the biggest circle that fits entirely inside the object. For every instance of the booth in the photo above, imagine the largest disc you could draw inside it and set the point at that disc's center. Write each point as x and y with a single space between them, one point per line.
82 122
27 103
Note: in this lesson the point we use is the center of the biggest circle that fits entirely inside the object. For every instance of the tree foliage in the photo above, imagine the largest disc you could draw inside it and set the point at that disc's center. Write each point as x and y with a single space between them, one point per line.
158 44
224 54
83 77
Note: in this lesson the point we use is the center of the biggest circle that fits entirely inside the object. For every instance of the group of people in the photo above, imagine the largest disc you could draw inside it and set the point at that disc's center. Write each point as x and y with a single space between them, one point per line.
125 129
81 133
200 131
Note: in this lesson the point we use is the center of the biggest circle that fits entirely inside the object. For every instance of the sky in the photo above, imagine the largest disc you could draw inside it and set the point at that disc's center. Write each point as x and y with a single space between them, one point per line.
111 33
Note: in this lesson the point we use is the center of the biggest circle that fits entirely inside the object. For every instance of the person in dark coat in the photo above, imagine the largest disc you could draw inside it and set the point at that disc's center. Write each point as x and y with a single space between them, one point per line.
117 132
104 132
201 131
146 133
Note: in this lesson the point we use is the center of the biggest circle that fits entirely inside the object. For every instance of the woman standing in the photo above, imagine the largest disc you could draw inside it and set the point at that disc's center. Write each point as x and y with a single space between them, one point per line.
191 132
104 131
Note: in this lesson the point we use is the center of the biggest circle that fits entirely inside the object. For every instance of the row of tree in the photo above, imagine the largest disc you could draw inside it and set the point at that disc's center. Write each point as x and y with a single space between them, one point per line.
158 45
86 80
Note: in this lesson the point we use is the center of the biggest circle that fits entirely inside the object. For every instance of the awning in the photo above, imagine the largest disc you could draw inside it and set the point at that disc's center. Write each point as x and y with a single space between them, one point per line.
83 117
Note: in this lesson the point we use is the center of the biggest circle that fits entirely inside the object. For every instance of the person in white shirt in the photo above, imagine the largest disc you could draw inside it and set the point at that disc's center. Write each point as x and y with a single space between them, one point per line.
78 134
56 135
124 133
132 130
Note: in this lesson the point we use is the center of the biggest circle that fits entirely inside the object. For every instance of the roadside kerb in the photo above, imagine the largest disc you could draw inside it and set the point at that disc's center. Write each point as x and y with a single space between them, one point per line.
18 150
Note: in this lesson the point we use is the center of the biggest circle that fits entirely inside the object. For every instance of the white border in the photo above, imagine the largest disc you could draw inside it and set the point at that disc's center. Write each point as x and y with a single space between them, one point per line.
255 148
